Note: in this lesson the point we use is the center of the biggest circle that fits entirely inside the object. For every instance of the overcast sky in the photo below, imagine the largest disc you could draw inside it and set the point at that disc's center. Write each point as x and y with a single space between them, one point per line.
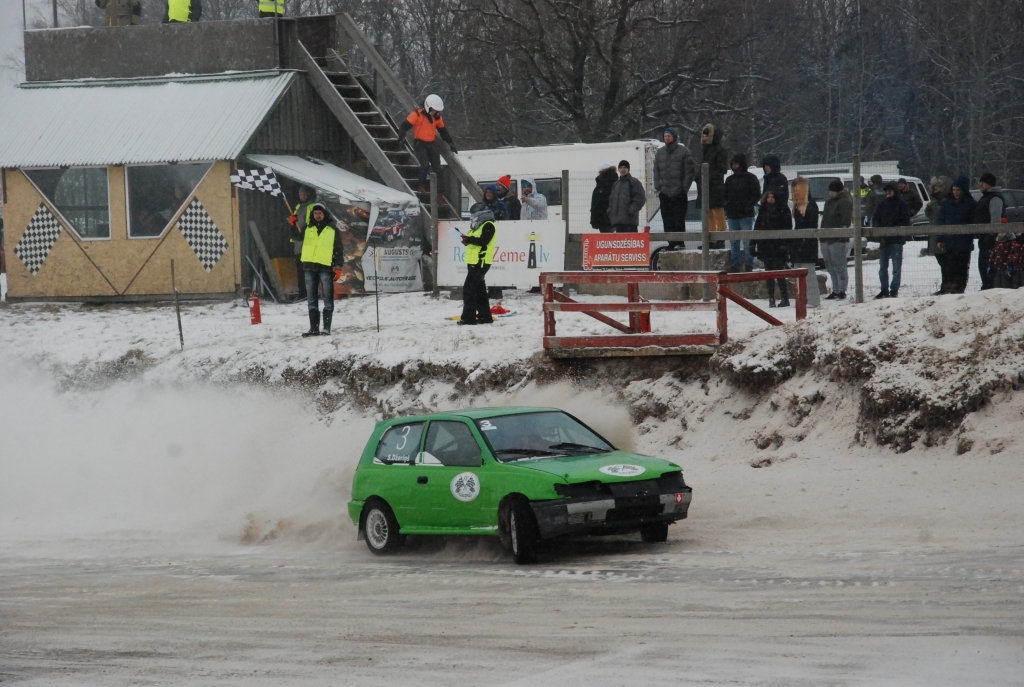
10 36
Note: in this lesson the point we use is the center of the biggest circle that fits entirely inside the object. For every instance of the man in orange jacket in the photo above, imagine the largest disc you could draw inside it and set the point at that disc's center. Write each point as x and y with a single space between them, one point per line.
426 123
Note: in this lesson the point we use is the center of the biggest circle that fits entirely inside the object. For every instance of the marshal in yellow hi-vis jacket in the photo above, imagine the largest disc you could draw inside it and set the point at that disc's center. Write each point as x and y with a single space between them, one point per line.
321 251
481 243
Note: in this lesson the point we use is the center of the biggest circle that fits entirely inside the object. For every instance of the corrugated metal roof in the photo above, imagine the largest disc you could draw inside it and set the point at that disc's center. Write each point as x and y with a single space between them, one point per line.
136 122
333 180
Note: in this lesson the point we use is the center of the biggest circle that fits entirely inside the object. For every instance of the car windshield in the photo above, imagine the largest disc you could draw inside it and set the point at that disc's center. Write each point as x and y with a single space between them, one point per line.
539 435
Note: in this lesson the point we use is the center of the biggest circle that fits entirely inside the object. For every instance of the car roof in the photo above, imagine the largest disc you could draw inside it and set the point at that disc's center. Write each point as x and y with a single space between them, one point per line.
473 413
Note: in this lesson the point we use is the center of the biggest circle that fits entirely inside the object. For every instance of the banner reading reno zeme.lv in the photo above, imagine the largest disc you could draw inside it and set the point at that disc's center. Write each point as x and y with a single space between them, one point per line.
525 249
616 250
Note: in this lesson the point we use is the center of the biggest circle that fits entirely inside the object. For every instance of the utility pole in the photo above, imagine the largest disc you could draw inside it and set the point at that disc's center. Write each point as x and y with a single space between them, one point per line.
54 13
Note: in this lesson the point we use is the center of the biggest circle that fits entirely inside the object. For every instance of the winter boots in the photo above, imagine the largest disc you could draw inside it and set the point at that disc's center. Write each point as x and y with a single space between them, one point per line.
328 314
314 324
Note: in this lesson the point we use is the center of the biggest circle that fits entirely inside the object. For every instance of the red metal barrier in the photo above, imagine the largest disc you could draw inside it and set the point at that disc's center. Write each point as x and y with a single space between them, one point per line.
637 338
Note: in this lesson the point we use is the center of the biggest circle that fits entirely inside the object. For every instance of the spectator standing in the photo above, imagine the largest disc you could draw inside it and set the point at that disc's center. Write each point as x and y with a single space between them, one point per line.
957 247
606 178
774 253
940 191
718 164
804 252
892 211
674 172
988 211
626 200
183 11
427 124
875 195
321 251
838 215
1006 262
121 12
302 216
493 203
509 198
742 192
909 197
535 205
774 180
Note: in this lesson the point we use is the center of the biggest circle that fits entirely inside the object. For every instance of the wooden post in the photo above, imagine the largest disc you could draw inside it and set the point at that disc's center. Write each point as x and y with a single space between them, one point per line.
858 233
723 314
705 222
436 291
271 272
549 317
801 297
177 307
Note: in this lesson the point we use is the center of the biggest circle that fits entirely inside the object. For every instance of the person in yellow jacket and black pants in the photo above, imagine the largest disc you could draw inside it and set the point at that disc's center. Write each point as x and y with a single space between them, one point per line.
271 8
481 242
321 251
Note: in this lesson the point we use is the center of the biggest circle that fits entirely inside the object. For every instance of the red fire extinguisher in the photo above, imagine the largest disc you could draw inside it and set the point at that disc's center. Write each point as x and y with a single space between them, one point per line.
254 309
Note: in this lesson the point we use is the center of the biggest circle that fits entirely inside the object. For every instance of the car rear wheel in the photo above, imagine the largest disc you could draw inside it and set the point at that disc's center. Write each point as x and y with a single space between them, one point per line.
381 529
655 533
522 531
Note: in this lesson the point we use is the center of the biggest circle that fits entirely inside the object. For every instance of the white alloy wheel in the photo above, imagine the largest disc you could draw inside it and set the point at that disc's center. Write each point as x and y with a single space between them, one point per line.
377 529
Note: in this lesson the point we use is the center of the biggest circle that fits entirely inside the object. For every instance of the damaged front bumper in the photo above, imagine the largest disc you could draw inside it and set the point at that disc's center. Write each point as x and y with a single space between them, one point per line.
609 514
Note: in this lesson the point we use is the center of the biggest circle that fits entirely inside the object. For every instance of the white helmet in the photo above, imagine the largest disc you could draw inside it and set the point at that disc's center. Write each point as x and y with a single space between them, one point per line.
434 102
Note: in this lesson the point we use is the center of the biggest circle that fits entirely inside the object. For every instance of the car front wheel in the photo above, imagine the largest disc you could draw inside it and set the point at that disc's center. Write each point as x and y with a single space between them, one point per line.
522 530
381 529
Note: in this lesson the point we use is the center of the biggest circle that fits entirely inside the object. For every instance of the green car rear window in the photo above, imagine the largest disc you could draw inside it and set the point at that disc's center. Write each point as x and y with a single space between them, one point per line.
399 445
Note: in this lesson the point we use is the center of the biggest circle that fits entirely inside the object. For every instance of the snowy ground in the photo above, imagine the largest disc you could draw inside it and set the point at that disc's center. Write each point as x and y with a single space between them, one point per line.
177 518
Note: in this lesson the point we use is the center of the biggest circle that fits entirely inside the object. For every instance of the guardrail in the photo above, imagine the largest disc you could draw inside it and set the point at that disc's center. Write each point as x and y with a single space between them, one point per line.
637 338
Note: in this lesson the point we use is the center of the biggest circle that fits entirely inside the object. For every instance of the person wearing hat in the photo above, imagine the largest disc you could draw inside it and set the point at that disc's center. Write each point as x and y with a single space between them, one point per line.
988 211
909 197
606 178
302 215
626 200
956 248
1006 262
875 196
892 211
427 124
838 214
492 199
674 172
742 194
717 159
508 196
535 205
480 241
321 251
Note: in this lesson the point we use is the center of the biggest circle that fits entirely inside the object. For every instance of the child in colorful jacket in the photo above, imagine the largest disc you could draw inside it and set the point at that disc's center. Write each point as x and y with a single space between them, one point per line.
1006 262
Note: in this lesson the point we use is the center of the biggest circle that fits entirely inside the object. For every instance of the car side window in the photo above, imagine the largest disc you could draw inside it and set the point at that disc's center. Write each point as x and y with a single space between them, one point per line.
399 445
451 443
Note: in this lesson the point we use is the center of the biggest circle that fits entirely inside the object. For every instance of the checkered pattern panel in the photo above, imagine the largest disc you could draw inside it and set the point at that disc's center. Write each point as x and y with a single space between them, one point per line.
35 244
202 234
257 180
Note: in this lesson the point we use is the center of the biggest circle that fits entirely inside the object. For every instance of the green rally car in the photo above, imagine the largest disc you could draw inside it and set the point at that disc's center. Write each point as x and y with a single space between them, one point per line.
523 474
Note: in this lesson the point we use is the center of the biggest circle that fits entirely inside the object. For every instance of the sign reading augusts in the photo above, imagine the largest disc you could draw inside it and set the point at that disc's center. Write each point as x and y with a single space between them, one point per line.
616 251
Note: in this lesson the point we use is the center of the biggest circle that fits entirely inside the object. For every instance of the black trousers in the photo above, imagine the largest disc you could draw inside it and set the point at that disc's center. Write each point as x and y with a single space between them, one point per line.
987 280
476 309
673 215
776 263
428 155
958 268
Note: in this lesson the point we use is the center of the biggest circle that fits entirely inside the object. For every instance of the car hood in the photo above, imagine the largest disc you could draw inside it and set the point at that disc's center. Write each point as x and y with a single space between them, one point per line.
602 467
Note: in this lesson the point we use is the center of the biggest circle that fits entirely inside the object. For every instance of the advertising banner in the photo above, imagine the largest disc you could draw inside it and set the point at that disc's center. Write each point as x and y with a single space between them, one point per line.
525 249
602 251
394 249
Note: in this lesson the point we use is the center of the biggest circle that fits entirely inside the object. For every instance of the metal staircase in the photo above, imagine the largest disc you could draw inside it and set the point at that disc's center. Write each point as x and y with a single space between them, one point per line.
367 122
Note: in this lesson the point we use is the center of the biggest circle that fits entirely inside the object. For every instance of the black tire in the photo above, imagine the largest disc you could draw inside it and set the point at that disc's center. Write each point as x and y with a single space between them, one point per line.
523 534
381 528
655 533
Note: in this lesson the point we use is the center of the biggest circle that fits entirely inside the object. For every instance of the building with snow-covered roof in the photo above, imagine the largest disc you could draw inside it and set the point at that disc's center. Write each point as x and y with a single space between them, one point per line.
116 155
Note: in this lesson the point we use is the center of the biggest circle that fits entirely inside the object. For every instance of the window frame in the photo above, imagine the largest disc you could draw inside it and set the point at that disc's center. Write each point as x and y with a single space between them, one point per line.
472 434
415 455
177 213
51 203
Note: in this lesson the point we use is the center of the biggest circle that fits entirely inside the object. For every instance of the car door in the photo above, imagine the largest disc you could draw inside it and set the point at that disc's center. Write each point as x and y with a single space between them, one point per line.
451 477
392 473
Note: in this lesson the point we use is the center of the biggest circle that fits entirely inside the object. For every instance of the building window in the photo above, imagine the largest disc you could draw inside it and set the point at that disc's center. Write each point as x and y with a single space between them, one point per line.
80 195
158 193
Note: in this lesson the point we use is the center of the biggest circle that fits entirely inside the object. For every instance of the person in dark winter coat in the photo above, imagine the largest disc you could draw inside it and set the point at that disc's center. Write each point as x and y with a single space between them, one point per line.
804 252
774 253
988 211
909 196
606 178
508 197
322 249
494 203
838 214
742 193
874 196
891 212
674 172
718 165
1006 262
626 200
957 247
774 180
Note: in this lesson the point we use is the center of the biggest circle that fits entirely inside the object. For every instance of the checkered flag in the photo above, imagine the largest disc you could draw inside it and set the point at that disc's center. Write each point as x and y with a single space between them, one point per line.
202 234
257 180
35 244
